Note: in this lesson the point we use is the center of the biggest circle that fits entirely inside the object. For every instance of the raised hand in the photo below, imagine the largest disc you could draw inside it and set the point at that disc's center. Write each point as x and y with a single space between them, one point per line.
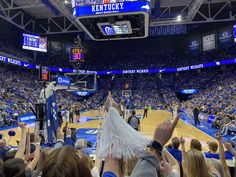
165 167
182 140
109 94
218 136
22 125
229 147
59 134
164 131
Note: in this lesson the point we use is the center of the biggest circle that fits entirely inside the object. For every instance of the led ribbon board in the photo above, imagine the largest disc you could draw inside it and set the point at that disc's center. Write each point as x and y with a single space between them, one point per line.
120 7
15 62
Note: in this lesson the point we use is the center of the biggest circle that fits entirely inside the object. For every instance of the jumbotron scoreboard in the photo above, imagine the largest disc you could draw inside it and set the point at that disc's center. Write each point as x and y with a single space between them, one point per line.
113 19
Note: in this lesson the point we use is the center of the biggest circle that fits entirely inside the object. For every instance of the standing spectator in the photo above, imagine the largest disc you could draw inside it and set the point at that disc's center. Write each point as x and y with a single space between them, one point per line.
195 115
174 149
133 121
145 111
228 154
213 147
195 144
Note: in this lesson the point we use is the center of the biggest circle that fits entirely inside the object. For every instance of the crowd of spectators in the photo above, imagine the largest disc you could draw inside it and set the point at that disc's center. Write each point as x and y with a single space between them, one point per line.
18 89
116 155
217 96
217 90
149 61
126 61
9 48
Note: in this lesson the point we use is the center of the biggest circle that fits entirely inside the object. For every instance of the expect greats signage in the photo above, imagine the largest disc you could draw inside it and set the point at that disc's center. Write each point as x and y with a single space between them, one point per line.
27 118
120 7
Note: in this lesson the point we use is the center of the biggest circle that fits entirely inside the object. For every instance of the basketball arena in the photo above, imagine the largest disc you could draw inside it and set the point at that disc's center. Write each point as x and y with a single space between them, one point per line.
117 88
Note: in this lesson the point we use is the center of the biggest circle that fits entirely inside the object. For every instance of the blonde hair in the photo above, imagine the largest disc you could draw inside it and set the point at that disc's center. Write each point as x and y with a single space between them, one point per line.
127 166
43 156
215 164
86 159
196 164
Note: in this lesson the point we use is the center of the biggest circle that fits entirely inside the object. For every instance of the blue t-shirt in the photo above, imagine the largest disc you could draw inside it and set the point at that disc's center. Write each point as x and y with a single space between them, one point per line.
228 155
211 155
108 174
176 153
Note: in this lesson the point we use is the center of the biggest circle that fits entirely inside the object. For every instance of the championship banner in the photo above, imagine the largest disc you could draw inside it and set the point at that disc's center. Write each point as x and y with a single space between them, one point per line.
208 42
225 38
56 48
194 46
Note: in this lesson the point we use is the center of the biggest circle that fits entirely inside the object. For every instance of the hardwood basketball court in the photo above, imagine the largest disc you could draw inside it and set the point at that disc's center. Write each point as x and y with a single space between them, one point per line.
148 126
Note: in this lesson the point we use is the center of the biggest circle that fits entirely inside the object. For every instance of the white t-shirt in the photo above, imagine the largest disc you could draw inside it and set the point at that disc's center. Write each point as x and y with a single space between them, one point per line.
94 172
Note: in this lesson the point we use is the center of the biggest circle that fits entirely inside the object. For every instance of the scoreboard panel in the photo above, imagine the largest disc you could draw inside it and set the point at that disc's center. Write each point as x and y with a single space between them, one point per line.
44 74
76 54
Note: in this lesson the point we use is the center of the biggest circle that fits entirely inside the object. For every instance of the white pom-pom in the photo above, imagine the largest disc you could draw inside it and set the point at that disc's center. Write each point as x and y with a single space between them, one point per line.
118 139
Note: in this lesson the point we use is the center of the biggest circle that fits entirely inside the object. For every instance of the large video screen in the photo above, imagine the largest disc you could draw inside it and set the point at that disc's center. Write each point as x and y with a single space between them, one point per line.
123 27
209 42
34 42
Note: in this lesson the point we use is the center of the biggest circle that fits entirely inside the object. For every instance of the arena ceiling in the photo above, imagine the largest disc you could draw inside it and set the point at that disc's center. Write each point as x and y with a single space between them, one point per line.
55 16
